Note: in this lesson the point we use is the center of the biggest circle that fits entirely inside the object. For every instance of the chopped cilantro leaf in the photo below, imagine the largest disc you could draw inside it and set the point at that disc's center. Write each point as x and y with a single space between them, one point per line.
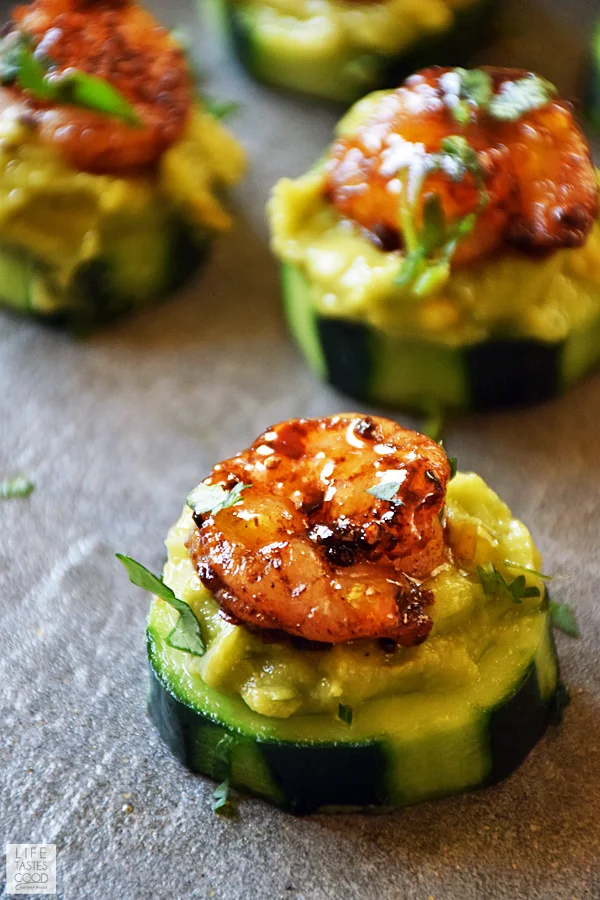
211 498
220 109
16 487
345 714
493 582
563 618
475 85
221 797
511 565
186 635
386 490
460 151
434 224
20 64
430 247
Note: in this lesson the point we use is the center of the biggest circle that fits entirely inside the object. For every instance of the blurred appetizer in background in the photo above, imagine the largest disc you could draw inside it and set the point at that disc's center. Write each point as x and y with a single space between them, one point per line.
446 250
110 166
340 49
344 621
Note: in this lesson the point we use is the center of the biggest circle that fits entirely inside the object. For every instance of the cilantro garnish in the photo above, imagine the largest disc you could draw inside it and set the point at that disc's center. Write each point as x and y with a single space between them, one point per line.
186 635
470 89
511 565
493 582
220 109
39 77
515 98
563 618
15 487
475 90
345 714
386 490
211 498
221 797
429 250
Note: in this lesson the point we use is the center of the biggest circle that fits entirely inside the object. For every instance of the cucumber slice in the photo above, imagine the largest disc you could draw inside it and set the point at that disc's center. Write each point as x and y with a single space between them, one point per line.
373 367
592 85
344 75
101 288
397 751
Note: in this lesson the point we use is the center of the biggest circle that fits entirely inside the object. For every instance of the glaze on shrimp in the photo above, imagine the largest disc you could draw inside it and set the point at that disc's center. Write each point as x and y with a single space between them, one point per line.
120 42
309 551
541 186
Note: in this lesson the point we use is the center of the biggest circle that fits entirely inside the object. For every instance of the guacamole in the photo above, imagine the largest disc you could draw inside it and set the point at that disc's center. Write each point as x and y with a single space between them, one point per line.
279 680
57 222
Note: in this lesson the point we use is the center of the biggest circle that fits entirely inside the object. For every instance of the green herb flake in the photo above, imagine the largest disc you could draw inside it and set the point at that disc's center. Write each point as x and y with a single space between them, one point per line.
475 92
10 56
220 109
20 64
453 469
221 797
212 498
186 635
511 565
434 224
460 151
16 487
412 265
516 98
493 582
386 490
475 85
345 714
425 268
564 619
81 89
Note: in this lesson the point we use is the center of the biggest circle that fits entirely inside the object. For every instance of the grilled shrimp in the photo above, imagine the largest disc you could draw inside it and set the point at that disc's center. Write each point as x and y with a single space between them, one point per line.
541 185
120 42
310 551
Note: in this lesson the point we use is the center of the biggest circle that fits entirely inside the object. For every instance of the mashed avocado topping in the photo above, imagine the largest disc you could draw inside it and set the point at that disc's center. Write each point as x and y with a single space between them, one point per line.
282 679
121 220
510 294
322 28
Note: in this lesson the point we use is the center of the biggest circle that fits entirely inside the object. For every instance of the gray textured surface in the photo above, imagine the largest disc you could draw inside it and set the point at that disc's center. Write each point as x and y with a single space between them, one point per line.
114 431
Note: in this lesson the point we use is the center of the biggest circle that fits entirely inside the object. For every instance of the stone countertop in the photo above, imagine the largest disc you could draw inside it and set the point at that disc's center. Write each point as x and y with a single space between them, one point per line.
114 431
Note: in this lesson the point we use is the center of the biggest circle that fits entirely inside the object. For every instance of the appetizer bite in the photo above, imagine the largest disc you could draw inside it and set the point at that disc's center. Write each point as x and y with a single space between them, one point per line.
343 621
110 167
339 49
446 250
